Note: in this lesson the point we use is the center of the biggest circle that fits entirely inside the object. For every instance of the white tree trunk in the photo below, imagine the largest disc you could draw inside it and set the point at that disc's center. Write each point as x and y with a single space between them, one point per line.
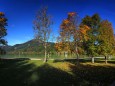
45 59
92 59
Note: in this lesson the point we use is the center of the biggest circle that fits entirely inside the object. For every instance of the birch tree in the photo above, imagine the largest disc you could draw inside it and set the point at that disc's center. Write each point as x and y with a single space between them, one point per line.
42 28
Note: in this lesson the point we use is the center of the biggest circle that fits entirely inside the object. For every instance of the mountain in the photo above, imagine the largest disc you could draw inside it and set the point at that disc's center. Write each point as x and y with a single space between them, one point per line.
29 47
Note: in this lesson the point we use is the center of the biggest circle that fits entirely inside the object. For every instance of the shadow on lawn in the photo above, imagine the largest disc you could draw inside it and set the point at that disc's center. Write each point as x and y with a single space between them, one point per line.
74 61
14 72
83 60
50 76
92 75
22 73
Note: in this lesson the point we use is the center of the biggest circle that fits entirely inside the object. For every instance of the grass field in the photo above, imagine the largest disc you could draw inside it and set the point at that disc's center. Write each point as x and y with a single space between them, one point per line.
54 73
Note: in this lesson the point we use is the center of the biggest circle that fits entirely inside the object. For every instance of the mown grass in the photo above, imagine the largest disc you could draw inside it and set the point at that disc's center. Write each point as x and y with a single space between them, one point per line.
67 73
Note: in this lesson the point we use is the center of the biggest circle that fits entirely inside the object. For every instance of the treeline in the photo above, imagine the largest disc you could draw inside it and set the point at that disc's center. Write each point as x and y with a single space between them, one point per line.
30 47
93 36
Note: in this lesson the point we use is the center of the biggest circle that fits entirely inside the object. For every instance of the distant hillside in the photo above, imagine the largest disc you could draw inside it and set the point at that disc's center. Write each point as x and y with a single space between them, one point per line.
31 46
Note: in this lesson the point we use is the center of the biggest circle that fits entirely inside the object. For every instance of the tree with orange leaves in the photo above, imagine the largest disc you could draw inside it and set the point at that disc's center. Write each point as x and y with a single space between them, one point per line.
67 32
3 24
83 32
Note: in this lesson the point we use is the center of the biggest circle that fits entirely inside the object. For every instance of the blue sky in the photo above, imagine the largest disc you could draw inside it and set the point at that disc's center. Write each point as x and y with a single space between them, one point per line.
21 13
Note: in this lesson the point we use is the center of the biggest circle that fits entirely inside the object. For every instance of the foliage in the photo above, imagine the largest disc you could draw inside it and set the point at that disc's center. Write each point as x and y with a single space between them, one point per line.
3 24
90 45
84 33
67 33
88 38
106 38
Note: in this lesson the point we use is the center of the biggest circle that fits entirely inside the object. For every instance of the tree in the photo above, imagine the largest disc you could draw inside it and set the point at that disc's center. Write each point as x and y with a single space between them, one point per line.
83 36
91 44
42 27
3 24
67 32
106 39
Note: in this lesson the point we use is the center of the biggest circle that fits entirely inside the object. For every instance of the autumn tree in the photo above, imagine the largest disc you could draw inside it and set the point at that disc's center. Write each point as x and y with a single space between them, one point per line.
67 30
83 33
83 37
3 24
106 39
91 45
42 28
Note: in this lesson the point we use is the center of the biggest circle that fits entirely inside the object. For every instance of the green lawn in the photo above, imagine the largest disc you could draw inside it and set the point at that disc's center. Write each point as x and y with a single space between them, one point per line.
54 73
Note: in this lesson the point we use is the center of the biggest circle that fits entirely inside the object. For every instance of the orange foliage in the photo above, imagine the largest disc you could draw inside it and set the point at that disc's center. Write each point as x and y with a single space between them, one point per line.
58 46
66 21
62 46
1 14
83 32
2 19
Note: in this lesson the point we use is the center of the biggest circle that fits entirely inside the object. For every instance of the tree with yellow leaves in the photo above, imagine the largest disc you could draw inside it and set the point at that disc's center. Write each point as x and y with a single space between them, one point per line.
106 39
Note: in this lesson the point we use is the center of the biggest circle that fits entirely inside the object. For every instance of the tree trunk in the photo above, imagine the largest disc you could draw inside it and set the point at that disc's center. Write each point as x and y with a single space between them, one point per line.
92 59
66 55
77 58
77 54
105 59
45 59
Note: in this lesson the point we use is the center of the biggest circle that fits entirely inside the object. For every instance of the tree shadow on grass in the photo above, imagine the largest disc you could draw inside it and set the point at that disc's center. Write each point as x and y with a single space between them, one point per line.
111 61
74 61
84 60
15 72
50 76
23 73
91 75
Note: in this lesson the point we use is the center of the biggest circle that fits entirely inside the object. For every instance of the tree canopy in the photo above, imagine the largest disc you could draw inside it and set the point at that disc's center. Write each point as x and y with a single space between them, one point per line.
3 24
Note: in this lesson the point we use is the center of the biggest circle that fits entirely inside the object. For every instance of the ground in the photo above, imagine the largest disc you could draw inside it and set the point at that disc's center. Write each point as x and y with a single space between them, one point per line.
56 73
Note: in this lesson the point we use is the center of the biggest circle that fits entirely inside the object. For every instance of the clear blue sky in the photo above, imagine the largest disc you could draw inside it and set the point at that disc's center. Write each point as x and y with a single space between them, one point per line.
21 13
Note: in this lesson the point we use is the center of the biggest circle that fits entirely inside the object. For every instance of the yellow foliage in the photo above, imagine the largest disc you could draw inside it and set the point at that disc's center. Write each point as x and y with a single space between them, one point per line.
66 21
